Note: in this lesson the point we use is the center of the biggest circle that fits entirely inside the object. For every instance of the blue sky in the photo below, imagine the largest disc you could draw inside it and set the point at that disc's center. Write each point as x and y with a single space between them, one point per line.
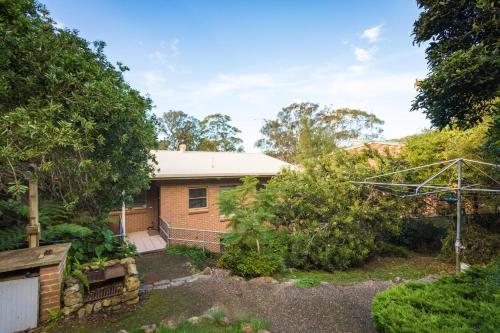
248 59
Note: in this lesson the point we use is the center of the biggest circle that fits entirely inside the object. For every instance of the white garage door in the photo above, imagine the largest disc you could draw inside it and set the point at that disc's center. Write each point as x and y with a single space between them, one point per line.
18 304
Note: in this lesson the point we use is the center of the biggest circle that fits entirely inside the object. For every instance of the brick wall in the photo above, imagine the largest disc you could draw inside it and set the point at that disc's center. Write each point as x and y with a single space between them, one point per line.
139 219
51 281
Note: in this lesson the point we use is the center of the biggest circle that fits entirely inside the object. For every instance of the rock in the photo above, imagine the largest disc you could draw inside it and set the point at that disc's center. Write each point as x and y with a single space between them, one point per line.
247 328
168 323
88 308
73 289
263 280
213 310
206 271
132 283
122 331
72 299
132 269
221 273
116 307
115 300
106 302
194 320
97 306
130 295
133 301
263 331
148 328
111 262
70 281
226 320
67 310
81 312
398 280
237 278
128 260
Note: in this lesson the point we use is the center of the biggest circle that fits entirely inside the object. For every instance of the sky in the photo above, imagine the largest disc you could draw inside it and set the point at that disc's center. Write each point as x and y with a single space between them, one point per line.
249 59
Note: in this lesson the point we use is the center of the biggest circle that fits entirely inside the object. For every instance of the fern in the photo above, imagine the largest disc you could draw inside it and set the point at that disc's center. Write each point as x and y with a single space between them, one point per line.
12 237
65 231
52 213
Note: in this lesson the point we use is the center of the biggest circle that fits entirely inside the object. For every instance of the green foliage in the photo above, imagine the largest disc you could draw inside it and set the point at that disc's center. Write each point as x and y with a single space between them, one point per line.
197 255
391 250
303 130
462 47
307 283
12 237
67 115
212 133
315 218
424 234
464 303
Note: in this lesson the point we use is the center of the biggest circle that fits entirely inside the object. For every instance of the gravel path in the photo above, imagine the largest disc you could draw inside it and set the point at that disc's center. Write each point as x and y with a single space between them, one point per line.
324 308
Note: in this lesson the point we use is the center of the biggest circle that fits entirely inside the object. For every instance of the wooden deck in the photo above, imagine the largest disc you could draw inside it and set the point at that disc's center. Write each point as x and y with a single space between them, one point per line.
147 241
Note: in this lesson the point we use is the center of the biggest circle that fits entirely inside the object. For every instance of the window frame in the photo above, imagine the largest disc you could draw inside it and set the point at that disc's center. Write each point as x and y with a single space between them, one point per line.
204 208
132 205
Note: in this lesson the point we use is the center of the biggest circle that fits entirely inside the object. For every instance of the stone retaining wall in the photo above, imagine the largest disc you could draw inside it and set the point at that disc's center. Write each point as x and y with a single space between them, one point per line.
74 291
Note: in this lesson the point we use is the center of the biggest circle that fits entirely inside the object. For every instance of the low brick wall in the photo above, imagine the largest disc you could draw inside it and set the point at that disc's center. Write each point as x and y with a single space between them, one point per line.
51 278
74 291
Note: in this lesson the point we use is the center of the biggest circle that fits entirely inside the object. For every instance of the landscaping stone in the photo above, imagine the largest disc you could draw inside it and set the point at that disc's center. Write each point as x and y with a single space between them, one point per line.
398 280
133 301
106 302
247 328
168 323
194 320
67 310
226 320
132 269
81 312
88 308
263 280
97 306
127 296
206 271
72 288
220 273
148 328
116 307
73 298
122 331
128 260
132 283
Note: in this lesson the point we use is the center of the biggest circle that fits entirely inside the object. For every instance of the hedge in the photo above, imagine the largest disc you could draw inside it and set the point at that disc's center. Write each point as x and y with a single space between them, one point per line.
469 302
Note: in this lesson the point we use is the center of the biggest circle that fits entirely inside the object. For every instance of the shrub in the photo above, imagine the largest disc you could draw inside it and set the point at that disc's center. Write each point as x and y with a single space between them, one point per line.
250 263
385 249
464 303
197 255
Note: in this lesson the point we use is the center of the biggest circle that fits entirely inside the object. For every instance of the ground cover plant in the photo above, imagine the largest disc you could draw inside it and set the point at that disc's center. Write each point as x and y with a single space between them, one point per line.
464 303
199 257
379 268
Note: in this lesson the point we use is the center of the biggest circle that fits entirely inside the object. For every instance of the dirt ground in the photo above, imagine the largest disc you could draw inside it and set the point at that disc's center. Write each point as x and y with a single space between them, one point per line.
158 266
324 308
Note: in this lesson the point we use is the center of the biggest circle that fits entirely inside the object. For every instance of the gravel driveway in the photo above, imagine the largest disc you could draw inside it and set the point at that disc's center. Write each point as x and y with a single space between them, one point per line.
324 308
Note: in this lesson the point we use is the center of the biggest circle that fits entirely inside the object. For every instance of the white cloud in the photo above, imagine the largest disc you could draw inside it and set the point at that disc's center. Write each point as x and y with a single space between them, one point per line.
251 97
372 34
363 54
174 46
356 68
59 24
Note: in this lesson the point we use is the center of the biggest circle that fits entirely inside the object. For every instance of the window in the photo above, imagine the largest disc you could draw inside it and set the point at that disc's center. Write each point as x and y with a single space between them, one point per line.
138 200
197 198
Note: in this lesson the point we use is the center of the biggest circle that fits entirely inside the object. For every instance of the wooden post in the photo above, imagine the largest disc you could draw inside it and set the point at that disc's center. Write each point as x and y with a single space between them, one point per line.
33 228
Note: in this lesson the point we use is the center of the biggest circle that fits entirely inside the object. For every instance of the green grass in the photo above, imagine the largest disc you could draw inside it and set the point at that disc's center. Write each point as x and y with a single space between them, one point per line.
307 283
377 269
199 257
214 326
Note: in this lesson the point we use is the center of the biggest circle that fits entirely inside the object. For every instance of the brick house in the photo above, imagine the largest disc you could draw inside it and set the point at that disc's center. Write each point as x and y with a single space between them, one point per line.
181 205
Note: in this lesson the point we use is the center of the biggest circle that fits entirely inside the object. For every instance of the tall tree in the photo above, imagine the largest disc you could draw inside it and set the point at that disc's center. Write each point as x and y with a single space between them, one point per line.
219 135
462 38
180 128
304 130
212 133
67 112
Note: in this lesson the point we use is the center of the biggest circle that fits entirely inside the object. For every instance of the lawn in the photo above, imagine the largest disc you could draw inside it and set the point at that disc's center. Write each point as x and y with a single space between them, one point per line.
382 269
